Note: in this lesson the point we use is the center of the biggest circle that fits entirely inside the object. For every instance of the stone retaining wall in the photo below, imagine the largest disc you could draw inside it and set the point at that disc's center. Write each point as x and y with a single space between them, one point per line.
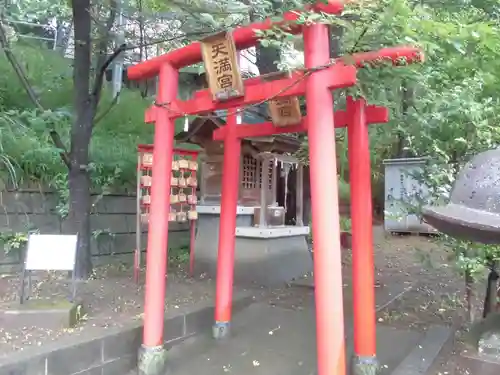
113 223
112 353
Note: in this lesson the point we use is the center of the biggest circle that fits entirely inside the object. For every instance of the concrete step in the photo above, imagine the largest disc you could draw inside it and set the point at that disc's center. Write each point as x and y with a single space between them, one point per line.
273 340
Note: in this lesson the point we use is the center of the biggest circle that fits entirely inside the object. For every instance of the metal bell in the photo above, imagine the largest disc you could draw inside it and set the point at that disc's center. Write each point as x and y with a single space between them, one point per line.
473 212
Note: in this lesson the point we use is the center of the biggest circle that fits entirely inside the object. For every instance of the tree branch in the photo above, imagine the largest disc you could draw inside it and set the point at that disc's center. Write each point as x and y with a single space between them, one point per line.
102 70
104 113
103 61
19 71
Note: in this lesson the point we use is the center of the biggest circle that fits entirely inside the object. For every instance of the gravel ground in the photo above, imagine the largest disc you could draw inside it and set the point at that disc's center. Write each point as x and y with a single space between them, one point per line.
112 299
436 296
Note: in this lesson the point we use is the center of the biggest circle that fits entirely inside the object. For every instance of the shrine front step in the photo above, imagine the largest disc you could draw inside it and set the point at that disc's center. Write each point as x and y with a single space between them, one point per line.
263 256
270 340
264 262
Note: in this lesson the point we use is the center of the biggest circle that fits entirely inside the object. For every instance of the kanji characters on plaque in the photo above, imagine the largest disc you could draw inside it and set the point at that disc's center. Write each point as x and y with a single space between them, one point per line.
221 66
283 111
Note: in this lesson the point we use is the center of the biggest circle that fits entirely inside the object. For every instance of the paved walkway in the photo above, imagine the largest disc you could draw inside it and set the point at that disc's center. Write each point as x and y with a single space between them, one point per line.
277 337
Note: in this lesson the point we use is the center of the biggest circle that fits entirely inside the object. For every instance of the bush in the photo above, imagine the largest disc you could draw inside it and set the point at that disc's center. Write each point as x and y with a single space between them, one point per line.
25 146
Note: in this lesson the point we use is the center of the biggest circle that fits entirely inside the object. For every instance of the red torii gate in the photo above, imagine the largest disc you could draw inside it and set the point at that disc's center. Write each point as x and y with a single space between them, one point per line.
316 83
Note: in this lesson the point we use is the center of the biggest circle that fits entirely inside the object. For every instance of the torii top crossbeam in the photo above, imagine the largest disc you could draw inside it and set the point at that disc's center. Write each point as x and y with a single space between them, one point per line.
244 37
340 73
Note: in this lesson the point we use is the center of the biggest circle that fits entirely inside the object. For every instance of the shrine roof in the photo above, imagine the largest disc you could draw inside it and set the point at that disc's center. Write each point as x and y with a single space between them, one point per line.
204 126
254 115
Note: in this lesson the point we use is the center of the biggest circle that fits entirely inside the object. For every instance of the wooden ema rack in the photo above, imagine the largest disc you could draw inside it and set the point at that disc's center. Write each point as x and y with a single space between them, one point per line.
183 185
183 198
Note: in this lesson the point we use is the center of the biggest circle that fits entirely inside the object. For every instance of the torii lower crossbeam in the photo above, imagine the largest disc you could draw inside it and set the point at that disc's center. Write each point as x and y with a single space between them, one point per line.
374 115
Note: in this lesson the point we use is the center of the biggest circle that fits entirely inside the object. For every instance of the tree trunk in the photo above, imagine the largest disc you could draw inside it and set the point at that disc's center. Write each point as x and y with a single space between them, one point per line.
78 220
336 34
267 57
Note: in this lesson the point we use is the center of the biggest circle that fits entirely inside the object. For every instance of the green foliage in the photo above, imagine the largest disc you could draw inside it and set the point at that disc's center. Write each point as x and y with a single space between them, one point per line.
13 241
453 112
470 257
24 140
345 224
179 255
36 10
344 190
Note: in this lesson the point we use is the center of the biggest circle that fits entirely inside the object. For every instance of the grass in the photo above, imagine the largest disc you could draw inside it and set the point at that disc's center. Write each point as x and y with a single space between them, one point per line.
26 151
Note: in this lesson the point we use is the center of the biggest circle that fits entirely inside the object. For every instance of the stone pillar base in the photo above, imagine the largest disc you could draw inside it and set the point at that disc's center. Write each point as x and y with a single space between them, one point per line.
364 366
152 360
221 330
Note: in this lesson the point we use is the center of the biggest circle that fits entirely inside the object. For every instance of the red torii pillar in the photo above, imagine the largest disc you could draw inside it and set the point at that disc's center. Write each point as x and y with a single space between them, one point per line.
324 203
363 267
151 355
227 227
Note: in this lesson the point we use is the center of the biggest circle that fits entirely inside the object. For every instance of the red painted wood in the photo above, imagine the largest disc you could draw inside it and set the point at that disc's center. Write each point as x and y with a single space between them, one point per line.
375 115
334 77
363 274
244 37
330 338
156 255
227 236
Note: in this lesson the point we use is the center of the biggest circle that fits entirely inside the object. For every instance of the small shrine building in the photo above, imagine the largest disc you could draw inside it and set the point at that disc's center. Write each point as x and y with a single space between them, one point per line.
271 244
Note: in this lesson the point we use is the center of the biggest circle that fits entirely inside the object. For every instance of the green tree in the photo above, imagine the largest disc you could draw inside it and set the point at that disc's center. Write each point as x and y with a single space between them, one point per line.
94 33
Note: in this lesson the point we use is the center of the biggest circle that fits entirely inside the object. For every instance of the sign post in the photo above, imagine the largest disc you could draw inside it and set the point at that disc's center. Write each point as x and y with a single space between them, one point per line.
49 252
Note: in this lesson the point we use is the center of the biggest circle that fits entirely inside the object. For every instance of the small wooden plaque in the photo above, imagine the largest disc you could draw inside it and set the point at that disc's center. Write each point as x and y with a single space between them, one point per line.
181 216
147 159
183 164
175 165
174 181
191 181
193 165
221 66
182 182
192 199
283 111
172 216
145 218
146 181
182 198
193 215
146 199
174 198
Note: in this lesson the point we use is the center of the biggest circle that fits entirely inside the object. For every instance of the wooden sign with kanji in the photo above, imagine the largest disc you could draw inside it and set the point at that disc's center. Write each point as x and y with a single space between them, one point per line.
283 111
221 66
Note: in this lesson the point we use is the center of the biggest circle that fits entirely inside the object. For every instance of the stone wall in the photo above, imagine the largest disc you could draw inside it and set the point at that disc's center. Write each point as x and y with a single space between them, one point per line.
113 223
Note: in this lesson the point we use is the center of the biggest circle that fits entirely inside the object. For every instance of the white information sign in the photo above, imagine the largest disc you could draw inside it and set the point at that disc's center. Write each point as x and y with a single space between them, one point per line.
51 252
